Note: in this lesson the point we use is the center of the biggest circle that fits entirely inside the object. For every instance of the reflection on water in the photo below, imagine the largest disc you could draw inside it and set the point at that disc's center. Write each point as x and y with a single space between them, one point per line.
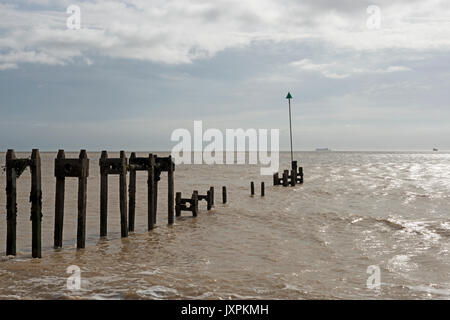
308 242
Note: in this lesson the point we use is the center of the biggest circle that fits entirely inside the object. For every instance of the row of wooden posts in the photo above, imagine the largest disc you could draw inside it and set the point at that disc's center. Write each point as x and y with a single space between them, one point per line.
295 176
252 189
191 204
79 168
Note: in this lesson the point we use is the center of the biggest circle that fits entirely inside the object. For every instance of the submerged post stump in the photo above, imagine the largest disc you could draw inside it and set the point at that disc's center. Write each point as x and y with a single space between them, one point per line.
276 179
186 204
208 197
110 166
208 200
177 204
71 168
300 175
285 178
293 177
211 191
224 194
195 203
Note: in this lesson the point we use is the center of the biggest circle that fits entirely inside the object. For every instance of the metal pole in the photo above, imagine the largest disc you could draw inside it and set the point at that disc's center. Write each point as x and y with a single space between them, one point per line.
290 128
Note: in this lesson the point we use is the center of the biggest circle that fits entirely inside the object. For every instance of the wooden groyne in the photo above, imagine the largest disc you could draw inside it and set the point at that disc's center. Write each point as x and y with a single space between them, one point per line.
289 177
78 168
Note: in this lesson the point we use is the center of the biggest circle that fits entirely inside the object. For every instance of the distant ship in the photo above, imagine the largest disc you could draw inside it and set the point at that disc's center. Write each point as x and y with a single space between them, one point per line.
435 149
322 150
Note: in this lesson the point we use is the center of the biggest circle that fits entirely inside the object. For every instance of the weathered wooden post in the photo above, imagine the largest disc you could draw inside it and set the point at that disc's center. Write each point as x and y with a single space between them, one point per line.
178 204
294 165
144 164
195 203
300 173
14 168
276 179
59 202
103 195
208 200
109 166
181 204
11 205
170 192
262 189
82 199
224 194
132 195
252 188
294 173
36 203
123 195
152 192
211 191
293 177
285 178
71 168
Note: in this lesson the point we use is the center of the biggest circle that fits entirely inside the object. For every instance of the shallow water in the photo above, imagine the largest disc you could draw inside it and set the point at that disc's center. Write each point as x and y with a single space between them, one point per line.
314 241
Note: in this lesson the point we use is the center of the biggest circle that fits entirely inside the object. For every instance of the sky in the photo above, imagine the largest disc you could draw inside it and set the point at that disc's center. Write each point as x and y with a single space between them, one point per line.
138 69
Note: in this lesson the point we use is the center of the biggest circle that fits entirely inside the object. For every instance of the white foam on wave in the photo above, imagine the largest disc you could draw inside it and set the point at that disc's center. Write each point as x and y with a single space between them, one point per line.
401 263
157 292
418 227
431 290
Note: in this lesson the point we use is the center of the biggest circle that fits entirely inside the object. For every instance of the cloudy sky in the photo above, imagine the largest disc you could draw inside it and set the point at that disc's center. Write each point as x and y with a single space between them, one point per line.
138 69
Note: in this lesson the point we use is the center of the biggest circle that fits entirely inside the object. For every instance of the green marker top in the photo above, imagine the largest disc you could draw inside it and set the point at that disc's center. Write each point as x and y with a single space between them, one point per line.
289 96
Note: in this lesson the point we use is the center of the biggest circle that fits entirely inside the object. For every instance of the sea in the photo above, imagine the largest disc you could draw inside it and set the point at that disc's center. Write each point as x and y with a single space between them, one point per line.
363 225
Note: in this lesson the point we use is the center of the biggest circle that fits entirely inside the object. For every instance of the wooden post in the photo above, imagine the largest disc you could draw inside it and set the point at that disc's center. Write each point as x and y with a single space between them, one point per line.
152 195
36 203
285 178
132 196
195 203
294 166
252 188
294 173
208 199
177 204
59 205
276 179
103 196
11 205
82 198
224 194
211 189
262 189
123 195
170 193
300 172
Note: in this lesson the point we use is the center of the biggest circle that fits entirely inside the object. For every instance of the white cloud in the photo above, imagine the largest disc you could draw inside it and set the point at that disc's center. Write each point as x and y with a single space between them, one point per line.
179 32
340 71
6 66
